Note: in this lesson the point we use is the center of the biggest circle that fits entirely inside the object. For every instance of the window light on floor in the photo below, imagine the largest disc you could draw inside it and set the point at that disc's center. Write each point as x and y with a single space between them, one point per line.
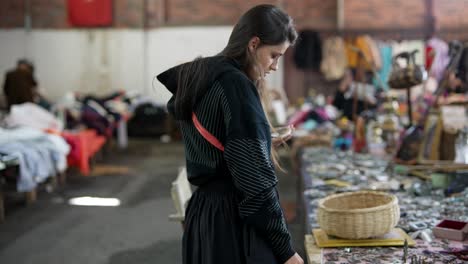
94 201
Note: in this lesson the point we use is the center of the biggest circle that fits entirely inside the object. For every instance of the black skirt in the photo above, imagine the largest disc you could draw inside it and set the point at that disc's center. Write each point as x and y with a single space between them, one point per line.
214 232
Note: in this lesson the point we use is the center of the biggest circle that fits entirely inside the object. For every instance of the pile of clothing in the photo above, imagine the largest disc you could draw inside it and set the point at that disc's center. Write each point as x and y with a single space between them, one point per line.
40 155
98 113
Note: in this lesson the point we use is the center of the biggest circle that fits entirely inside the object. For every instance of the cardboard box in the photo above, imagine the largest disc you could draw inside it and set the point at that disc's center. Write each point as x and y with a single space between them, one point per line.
451 229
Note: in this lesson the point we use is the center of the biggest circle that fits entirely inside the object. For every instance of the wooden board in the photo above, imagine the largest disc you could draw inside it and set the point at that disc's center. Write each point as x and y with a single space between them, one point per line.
31 197
429 148
314 253
395 238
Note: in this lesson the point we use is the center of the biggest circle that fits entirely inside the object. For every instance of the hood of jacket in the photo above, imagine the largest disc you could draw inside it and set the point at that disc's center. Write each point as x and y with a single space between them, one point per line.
216 66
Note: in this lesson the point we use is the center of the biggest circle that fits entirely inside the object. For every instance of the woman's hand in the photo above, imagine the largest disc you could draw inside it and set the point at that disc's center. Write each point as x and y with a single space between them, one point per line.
283 138
295 259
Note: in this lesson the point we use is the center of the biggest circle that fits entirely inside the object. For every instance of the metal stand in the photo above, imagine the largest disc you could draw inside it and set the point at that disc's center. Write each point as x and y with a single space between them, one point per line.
410 108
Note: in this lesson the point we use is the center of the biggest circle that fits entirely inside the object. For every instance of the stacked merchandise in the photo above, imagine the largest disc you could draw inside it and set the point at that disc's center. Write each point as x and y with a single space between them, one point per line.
364 66
90 121
149 119
40 155
424 204
31 135
99 113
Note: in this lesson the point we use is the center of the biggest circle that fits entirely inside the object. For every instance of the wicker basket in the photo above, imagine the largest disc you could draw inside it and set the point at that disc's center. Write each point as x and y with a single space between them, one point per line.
358 215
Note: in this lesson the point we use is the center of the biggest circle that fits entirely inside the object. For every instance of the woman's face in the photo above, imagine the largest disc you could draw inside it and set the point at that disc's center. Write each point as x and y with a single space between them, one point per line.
267 56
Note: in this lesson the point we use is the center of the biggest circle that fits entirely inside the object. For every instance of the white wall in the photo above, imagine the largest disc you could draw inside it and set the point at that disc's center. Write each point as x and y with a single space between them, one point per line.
171 46
100 61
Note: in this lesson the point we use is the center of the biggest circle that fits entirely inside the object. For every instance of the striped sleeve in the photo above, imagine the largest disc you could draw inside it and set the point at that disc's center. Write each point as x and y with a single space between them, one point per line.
247 154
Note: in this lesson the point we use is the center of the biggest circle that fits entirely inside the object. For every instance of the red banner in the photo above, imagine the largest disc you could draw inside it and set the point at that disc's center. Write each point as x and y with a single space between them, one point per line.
90 13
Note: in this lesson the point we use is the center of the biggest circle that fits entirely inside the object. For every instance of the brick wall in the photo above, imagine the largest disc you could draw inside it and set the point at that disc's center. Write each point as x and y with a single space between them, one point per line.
451 14
155 13
381 14
318 14
11 14
209 12
128 13
48 14
53 13
181 12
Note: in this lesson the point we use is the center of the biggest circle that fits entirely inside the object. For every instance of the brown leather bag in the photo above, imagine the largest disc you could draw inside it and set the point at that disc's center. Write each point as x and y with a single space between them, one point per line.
406 77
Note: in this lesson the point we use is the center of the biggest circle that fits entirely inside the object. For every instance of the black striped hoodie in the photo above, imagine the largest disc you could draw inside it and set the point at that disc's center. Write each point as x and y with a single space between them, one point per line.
231 110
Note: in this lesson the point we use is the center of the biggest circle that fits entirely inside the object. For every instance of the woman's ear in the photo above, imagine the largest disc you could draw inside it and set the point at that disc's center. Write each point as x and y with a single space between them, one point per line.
254 43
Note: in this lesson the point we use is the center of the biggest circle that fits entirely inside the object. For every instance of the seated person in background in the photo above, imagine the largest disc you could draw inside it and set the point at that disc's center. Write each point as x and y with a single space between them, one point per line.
456 91
456 85
19 85
344 97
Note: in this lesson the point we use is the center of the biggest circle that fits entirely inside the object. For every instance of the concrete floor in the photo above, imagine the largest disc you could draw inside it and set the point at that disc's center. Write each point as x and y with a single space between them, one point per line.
138 231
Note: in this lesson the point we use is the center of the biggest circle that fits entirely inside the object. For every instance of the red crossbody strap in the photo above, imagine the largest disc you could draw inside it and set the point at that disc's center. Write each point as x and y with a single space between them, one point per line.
207 135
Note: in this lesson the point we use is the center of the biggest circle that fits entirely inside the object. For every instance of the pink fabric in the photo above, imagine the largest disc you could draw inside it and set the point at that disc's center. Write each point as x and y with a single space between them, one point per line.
84 144
322 113
441 57
299 117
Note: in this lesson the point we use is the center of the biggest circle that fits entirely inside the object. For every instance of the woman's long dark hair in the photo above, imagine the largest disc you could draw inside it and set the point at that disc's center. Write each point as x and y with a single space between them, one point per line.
267 22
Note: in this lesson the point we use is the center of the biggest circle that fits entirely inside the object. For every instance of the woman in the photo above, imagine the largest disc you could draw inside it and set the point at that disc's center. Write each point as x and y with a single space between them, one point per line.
234 215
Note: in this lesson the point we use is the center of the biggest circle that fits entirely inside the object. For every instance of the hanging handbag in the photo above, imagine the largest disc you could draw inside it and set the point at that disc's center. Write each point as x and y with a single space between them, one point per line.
406 77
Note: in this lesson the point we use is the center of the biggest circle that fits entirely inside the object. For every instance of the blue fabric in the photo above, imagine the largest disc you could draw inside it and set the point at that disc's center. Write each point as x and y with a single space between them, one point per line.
26 180
384 73
37 158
